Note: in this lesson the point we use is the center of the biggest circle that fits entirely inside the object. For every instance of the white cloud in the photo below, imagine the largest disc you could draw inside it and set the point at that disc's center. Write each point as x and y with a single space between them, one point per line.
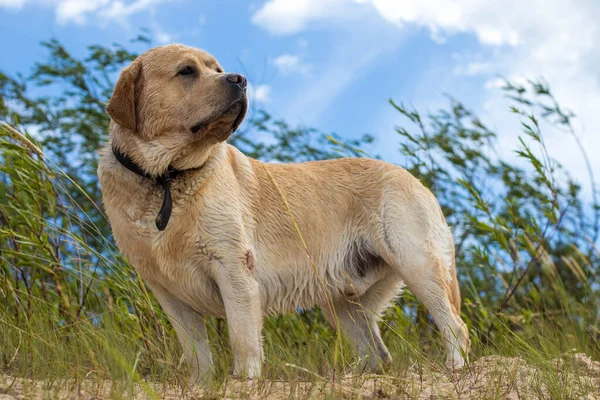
160 36
494 84
12 3
479 17
119 10
288 64
555 39
79 11
291 16
473 68
163 37
259 93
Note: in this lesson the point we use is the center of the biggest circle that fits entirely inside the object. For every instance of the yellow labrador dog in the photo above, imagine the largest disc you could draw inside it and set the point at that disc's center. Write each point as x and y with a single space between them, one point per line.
215 233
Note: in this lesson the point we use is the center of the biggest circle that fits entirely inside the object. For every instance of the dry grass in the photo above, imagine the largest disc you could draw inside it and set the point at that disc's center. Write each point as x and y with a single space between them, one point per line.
493 377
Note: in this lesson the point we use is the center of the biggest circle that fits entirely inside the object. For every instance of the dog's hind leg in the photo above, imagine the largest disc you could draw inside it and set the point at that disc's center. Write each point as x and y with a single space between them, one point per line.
357 318
424 257
423 279
191 331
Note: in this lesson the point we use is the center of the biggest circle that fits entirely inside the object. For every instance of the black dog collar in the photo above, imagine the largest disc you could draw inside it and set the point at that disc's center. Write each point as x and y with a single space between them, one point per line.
162 219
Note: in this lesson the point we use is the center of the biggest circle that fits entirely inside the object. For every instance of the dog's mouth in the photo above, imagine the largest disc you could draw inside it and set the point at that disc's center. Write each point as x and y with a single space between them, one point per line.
228 121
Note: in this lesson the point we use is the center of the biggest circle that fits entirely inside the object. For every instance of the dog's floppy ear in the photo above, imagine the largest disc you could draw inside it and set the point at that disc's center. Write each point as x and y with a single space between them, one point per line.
122 105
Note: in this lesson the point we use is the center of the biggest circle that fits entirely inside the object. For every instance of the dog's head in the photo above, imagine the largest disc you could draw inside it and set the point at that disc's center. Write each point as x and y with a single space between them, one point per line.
178 95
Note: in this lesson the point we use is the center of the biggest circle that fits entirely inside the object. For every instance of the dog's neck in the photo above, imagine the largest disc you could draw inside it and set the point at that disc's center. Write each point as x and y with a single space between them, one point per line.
156 156
146 159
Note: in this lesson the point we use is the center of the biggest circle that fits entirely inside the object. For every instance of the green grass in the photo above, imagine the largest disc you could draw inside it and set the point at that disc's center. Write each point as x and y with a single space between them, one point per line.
74 313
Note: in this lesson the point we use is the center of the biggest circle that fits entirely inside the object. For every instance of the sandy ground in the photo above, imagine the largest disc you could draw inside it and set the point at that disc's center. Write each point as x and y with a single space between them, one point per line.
574 376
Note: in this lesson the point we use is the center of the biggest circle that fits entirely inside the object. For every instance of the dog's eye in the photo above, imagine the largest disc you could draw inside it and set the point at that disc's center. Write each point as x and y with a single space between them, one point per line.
187 70
220 70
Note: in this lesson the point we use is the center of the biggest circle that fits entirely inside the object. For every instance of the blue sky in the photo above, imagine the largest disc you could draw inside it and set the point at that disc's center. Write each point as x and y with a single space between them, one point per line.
333 64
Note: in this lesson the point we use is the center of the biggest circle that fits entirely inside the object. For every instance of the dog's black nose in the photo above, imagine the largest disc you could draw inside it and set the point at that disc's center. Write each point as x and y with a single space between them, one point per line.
240 80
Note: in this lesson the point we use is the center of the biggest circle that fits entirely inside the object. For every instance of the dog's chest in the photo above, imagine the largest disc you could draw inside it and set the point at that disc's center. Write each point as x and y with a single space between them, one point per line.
178 259
184 265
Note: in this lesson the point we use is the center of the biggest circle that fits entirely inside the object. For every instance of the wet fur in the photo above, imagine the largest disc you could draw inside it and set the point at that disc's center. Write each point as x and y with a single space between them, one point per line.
231 248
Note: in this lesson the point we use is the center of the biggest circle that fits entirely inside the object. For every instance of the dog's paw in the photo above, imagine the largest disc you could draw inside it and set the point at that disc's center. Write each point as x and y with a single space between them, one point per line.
455 362
375 364
200 378
248 370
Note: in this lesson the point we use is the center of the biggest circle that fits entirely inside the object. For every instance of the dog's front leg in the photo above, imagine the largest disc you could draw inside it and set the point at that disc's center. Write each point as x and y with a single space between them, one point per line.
191 331
241 297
